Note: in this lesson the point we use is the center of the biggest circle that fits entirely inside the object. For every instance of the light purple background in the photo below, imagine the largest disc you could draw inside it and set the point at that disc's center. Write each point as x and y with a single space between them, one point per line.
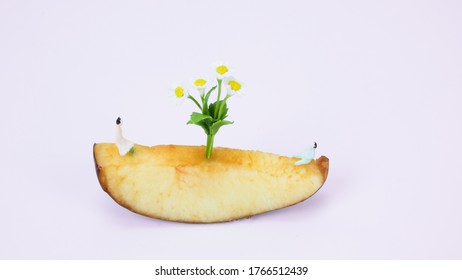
376 83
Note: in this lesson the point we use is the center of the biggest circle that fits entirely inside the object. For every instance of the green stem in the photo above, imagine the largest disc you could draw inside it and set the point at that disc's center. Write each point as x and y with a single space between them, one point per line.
195 101
208 150
202 98
219 89
205 109
218 98
208 94
222 105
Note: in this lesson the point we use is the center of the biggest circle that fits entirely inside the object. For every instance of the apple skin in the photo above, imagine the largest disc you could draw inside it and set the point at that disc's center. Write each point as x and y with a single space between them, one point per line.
188 173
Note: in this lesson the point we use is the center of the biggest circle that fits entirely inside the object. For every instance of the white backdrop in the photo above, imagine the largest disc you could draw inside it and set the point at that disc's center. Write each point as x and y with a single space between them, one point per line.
376 83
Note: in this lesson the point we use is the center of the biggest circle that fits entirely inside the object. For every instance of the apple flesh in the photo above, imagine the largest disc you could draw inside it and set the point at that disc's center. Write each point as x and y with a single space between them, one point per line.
177 183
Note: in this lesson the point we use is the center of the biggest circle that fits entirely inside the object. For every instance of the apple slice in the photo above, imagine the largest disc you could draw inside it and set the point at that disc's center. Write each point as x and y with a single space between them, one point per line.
178 183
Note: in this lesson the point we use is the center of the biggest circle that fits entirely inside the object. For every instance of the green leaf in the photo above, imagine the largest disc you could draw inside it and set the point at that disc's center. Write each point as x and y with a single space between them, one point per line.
216 107
205 126
216 126
224 110
204 121
197 117
205 109
212 108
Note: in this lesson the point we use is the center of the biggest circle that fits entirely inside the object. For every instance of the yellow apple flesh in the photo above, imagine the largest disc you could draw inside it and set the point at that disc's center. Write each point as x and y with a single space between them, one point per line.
178 183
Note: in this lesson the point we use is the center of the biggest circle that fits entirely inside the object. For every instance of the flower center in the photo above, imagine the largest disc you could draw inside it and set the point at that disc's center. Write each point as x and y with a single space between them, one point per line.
179 92
234 85
222 69
200 82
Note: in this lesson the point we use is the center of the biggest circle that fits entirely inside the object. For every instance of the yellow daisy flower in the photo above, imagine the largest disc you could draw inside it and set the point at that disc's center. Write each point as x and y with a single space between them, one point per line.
222 70
200 84
179 91
233 85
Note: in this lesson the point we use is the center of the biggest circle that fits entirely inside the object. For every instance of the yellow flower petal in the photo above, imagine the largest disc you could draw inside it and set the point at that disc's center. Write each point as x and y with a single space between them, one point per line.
200 82
234 85
222 69
179 92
